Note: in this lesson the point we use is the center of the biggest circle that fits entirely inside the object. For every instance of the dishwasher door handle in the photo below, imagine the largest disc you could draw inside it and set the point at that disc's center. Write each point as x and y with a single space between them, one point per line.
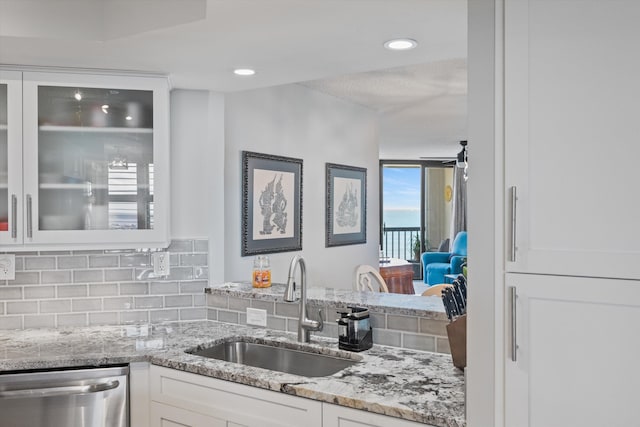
60 391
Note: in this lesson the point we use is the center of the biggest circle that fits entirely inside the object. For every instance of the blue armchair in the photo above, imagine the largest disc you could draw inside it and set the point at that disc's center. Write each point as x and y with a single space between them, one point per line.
437 264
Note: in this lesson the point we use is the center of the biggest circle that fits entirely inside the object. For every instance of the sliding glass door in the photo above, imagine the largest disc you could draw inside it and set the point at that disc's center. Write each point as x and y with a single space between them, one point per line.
415 209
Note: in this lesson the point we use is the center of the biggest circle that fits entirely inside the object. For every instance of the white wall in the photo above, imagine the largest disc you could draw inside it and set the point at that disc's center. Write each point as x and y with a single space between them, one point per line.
291 121
197 171
294 121
485 344
189 137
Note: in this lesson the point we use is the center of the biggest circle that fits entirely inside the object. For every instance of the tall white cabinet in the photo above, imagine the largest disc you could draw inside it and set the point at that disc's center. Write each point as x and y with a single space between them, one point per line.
571 132
84 160
572 254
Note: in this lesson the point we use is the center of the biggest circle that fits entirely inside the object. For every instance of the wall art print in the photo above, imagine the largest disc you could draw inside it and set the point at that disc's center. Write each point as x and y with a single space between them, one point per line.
346 205
271 203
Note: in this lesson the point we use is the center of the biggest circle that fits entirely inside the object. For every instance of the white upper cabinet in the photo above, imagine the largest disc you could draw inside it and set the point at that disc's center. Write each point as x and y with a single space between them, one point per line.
95 164
571 132
10 157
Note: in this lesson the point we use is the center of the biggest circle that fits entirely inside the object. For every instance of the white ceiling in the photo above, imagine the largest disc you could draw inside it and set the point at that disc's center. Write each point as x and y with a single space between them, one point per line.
331 45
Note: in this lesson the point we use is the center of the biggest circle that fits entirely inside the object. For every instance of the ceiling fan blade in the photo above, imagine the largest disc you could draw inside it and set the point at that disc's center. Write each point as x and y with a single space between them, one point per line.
439 159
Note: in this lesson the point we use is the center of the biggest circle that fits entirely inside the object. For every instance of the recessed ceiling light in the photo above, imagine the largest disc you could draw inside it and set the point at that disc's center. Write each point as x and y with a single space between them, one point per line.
78 96
244 72
400 44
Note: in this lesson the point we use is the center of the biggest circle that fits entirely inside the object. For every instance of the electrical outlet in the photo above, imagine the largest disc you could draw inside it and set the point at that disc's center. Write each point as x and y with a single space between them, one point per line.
7 267
161 263
256 317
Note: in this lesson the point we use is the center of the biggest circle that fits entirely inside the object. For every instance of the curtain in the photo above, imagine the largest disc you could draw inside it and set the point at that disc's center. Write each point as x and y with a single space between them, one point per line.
459 208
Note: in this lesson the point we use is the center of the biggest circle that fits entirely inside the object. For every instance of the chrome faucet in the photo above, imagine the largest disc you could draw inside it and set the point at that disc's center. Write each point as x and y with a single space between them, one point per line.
305 325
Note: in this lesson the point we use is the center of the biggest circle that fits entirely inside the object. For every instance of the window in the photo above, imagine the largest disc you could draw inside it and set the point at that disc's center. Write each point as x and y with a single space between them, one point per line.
415 214
130 198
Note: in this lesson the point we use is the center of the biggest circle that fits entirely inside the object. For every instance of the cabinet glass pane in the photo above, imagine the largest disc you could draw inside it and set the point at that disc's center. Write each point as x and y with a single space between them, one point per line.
4 166
95 158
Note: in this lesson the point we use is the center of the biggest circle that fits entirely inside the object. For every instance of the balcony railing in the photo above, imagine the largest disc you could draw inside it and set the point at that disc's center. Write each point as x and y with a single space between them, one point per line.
397 242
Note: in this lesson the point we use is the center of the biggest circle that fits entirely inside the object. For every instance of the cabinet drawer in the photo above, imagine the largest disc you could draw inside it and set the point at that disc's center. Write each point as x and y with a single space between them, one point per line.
237 404
170 416
338 416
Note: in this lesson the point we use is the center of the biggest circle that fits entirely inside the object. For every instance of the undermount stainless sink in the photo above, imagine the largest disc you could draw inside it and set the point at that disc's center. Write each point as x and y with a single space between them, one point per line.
292 361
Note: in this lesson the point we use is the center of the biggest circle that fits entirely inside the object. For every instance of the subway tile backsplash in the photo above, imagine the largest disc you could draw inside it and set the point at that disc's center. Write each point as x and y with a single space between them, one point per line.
91 288
407 331
82 288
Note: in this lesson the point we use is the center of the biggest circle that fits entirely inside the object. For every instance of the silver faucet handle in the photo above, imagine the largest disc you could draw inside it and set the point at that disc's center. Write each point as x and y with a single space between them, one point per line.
313 325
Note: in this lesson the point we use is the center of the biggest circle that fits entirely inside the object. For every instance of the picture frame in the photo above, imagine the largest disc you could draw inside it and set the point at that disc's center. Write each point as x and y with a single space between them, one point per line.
346 205
271 204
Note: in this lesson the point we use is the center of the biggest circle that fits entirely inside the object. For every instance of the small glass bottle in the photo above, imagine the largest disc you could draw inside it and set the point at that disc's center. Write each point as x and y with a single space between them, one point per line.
261 272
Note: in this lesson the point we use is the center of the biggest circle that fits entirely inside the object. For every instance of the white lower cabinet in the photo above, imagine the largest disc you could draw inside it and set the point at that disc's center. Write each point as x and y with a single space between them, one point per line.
139 394
574 355
169 416
339 416
184 399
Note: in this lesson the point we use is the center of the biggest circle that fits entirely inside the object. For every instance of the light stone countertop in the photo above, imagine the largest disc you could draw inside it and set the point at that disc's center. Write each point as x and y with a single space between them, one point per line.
380 302
412 385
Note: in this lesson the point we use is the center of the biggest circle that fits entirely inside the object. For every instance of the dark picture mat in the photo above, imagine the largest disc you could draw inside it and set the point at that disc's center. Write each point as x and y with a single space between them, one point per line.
277 164
350 172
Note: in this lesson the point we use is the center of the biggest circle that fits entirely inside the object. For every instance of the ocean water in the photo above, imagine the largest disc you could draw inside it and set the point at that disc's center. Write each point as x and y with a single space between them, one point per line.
401 217
399 245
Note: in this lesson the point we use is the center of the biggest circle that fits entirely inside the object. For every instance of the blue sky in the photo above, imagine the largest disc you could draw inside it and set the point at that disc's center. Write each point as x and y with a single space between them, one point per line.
401 188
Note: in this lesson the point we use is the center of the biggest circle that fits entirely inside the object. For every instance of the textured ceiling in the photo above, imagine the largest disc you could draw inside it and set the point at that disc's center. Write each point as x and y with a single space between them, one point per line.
398 88
422 107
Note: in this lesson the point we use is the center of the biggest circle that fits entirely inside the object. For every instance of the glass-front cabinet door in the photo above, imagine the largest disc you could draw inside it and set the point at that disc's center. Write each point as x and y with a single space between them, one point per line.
96 159
10 157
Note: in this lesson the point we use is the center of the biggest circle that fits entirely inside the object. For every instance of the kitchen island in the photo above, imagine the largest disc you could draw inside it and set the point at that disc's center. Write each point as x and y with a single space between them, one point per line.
407 384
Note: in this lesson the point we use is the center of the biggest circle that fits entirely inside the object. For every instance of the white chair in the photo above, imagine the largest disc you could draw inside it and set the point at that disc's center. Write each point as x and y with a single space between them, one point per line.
365 275
436 290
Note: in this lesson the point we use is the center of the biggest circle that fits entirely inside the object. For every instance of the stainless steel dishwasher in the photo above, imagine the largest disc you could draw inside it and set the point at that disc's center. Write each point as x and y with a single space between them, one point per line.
93 397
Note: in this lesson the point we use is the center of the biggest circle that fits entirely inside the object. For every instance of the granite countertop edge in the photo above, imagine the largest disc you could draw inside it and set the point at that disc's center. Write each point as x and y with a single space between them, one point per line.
389 303
407 384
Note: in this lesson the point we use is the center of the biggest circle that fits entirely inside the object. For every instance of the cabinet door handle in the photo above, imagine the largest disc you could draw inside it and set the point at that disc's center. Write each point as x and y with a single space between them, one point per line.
514 337
514 200
14 216
29 218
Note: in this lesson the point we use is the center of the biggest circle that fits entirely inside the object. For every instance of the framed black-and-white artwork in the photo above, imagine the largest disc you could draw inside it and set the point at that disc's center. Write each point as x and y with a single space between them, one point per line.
346 205
271 204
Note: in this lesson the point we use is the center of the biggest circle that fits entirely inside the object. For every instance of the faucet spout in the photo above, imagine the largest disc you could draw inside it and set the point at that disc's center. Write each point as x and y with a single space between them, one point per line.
305 325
